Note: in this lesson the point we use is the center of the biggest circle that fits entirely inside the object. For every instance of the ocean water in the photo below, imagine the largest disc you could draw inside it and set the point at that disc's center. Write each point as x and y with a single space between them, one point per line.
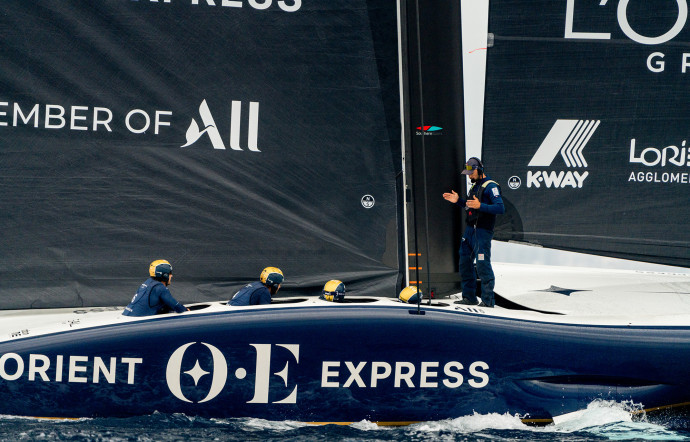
602 420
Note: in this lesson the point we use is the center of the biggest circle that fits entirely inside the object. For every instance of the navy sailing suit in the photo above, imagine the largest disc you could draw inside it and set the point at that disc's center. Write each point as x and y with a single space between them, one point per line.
252 294
476 242
151 298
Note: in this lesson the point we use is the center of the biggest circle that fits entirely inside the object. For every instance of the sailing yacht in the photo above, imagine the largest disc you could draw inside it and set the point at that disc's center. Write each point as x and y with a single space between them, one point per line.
318 137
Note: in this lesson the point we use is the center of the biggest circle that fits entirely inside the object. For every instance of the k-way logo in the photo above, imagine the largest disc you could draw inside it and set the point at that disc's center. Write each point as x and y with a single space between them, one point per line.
569 137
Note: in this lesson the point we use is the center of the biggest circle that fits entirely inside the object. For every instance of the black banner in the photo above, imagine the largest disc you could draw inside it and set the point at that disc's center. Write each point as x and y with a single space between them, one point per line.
223 136
586 125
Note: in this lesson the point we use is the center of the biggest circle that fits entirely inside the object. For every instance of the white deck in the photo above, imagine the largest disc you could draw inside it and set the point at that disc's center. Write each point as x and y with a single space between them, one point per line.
599 292
601 297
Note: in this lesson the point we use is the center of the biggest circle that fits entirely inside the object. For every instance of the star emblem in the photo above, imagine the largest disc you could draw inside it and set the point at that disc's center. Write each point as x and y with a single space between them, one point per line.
196 373
561 290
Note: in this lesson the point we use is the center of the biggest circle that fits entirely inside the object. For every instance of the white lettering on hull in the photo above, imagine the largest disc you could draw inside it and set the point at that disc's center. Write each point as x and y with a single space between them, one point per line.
80 369
402 372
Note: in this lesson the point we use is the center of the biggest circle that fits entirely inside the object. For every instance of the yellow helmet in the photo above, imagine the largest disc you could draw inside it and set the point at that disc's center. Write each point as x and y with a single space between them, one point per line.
410 295
160 269
333 291
271 276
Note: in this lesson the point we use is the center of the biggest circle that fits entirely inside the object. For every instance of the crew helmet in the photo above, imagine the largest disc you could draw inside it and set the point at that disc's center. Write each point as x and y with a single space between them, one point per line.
333 291
160 269
410 295
271 276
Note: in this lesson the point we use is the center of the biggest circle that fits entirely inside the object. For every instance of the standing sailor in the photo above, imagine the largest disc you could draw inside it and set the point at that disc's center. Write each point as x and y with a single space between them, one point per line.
153 295
483 203
259 292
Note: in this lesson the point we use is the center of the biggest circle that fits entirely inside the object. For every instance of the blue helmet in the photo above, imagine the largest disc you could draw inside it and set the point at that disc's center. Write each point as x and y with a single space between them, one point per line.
411 295
333 291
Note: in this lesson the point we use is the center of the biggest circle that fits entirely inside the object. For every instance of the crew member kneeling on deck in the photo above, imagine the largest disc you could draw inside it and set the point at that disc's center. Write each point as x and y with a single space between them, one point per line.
483 203
259 292
153 295
333 291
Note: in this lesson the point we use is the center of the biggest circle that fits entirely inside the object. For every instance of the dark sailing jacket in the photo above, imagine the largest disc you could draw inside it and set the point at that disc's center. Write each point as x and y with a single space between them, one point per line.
488 193
152 297
252 294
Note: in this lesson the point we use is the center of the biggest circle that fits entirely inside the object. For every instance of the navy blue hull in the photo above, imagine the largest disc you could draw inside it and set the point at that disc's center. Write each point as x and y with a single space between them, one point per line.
342 364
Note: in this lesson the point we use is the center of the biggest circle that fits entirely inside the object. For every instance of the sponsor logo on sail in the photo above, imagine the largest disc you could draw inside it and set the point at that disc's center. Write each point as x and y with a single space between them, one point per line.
661 159
655 61
99 119
429 130
514 182
80 118
285 5
368 201
624 24
569 138
194 132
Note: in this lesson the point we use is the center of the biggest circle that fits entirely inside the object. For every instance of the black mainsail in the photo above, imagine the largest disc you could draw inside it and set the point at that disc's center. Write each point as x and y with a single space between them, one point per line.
222 136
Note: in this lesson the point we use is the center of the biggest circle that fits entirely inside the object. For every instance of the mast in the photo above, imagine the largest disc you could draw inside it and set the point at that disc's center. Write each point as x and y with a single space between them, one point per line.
404 130
436 146
475 24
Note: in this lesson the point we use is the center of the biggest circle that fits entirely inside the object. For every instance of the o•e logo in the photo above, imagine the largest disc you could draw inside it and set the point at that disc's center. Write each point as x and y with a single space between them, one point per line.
173 372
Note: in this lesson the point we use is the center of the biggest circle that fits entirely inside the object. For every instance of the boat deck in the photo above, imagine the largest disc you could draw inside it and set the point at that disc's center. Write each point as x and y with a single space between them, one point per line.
543 294
595 292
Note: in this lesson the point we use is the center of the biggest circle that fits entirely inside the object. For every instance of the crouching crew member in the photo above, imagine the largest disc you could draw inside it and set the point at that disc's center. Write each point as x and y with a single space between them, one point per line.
153 295
333 291
259 292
